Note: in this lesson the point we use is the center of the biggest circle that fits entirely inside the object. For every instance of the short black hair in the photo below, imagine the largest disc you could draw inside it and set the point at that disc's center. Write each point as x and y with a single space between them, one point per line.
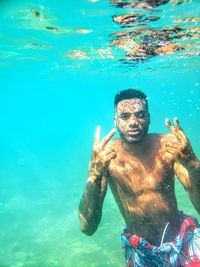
130 94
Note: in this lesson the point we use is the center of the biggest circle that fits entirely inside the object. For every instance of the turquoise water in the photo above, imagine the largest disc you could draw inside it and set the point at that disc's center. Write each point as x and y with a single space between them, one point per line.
53 96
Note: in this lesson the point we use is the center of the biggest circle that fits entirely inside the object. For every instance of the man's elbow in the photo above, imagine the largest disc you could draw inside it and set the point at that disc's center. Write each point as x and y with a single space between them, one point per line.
86 227
87 230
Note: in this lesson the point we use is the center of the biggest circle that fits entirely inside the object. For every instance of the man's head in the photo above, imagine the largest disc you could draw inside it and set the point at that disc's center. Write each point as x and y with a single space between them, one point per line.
131 115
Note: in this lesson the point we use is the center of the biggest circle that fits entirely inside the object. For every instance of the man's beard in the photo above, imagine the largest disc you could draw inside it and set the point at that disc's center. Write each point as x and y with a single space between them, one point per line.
131 139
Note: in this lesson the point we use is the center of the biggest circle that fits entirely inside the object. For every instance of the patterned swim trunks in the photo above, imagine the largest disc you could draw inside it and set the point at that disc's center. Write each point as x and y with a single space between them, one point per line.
183 251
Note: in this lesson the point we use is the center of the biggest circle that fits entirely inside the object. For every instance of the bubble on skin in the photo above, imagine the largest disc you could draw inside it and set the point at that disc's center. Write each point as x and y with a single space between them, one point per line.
130 105
137 105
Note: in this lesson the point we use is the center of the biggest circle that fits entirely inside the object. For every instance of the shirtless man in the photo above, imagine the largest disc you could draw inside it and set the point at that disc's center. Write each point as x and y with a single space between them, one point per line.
140 168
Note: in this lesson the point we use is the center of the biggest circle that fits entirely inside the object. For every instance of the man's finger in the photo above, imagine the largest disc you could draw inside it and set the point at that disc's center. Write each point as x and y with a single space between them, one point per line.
170 126
177 124
175 130
106 151
97 135
108 137
171 150
179 128
109 156
172 145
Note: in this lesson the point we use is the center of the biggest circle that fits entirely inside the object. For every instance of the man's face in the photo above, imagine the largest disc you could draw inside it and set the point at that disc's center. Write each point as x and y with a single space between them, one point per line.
132 120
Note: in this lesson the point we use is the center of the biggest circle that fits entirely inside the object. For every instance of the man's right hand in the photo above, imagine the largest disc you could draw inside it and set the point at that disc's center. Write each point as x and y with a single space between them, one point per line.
102 154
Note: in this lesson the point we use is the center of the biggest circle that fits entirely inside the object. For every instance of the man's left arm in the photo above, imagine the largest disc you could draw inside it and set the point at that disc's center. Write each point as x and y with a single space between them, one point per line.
187 165
189 176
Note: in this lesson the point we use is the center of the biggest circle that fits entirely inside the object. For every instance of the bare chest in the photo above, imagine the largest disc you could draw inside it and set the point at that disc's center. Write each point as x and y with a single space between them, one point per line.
139 174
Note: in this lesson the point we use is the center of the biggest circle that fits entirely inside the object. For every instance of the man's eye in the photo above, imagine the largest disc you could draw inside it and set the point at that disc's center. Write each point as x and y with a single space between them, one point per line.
124 116
141 115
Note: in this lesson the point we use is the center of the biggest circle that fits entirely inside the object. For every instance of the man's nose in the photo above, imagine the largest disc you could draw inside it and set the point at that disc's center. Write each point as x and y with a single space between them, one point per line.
133 121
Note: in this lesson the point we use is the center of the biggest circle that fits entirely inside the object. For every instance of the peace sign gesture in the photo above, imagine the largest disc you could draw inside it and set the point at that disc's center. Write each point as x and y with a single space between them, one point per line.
102 153
179 146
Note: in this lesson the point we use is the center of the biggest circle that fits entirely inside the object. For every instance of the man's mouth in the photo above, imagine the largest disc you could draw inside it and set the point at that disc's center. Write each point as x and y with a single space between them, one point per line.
133 132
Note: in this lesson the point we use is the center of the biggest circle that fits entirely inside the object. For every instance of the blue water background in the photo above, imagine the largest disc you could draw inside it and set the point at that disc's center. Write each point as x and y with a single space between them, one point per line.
50 106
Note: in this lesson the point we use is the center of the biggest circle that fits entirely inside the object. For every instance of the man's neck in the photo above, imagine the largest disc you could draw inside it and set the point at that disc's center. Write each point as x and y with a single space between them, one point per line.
136 147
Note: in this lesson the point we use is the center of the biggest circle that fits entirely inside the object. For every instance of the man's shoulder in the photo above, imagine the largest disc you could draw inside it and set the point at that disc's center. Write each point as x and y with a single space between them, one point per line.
159 138
154 137
167 137
160 135
115 144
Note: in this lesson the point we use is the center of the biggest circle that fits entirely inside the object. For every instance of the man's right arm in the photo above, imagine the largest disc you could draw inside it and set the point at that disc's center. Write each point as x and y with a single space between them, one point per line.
90 207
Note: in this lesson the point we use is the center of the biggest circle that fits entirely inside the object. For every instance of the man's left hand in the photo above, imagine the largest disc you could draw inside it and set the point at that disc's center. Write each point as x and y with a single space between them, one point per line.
179 146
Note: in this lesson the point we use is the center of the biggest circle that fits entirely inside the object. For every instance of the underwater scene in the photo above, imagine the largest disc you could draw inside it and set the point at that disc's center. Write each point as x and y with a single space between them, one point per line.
61 65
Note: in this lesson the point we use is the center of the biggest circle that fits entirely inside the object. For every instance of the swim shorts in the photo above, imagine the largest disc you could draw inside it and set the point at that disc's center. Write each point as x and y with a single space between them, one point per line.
183 251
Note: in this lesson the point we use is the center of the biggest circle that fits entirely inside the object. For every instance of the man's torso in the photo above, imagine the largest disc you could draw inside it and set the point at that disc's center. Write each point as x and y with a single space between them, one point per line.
142 183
